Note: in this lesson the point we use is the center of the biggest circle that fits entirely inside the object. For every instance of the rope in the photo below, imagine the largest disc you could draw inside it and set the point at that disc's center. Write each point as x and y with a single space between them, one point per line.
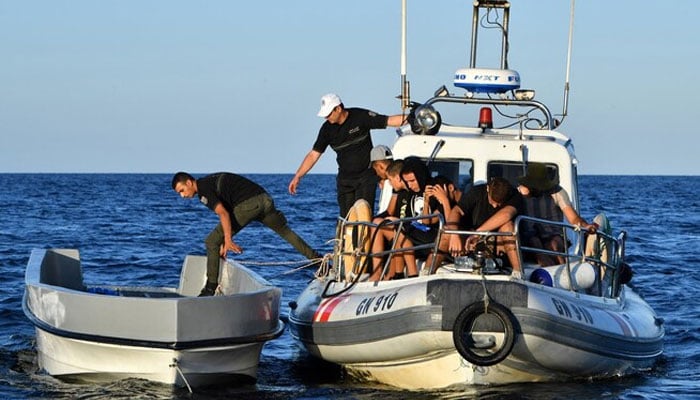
182 375
486 296
308 262
323 265
323 269
269 263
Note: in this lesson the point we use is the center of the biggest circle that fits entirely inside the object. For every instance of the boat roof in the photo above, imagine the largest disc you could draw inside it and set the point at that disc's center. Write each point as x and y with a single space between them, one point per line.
481 153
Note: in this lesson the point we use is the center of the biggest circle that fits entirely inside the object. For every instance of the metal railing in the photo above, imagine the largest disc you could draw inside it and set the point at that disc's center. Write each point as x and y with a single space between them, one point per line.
363 258
600 249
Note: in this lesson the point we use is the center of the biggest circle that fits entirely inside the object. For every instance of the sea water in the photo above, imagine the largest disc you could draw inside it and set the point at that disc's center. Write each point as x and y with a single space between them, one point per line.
133 229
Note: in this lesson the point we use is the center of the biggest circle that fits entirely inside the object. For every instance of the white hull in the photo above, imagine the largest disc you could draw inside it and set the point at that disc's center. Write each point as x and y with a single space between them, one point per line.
448 369
168 335
101 362
437 371
408 340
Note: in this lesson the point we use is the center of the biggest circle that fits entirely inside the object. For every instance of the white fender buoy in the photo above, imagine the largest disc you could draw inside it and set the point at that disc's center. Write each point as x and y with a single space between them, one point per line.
583 275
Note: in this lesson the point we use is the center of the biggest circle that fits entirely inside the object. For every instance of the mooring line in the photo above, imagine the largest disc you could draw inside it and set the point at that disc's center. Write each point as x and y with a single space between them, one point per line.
182 375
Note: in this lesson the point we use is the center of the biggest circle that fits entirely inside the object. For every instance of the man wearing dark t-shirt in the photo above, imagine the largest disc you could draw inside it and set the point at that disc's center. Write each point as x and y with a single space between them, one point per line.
485 208
347 132
237 201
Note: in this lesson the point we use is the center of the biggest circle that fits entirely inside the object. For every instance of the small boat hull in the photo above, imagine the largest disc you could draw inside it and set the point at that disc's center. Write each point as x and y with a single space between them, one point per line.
89 361
167 335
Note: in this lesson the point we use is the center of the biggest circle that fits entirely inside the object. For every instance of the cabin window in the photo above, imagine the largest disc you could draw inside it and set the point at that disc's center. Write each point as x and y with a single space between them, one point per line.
512 170
460 172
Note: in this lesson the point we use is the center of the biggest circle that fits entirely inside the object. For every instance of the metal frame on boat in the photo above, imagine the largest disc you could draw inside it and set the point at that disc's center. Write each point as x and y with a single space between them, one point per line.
473 321
169 335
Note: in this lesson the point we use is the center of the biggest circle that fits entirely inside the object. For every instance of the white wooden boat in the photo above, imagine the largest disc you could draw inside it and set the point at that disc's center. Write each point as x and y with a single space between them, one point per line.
169 335
478 323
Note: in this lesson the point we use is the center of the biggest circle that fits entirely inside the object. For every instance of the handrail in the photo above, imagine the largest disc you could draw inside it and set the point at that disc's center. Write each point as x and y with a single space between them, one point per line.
607 252
399 223
485 234
506 102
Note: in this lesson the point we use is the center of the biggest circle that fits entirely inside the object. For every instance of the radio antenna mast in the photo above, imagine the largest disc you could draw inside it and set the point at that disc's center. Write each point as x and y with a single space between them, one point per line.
568 60
405 86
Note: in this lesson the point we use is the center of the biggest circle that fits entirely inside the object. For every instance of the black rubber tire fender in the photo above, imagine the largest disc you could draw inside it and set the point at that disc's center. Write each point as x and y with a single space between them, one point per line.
464 324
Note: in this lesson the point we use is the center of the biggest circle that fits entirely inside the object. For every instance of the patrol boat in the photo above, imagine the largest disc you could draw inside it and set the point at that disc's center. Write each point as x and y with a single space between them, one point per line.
473 320
100 333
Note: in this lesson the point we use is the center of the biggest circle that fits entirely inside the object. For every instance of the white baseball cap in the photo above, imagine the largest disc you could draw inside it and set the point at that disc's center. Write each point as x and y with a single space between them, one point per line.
328 103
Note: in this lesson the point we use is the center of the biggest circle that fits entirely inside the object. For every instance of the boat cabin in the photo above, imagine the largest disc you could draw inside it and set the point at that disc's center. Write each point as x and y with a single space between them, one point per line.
471 155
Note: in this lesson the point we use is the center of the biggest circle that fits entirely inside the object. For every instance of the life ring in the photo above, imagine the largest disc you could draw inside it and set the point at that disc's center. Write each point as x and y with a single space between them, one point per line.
356 237
479 317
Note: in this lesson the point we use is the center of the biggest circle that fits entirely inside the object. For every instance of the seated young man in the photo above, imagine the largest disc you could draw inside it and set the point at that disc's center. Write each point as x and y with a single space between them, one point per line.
488 207
386 233
380 158
393 177
412 203
407 203
417 198
441 196
545 199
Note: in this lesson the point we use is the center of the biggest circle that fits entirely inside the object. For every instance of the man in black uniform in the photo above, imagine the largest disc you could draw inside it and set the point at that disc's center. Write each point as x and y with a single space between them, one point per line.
347 131
237 201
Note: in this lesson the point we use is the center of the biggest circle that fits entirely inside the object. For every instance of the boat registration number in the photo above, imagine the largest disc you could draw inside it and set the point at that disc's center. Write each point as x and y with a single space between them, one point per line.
376 304
572 311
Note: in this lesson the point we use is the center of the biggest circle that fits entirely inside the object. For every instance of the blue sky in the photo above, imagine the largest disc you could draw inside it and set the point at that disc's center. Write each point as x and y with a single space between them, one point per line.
161 86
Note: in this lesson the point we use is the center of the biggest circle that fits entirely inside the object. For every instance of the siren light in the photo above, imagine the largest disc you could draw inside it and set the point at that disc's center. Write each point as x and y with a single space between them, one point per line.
485 118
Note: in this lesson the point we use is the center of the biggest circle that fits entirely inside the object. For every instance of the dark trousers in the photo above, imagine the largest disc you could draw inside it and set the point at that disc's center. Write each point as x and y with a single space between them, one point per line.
351 190
259 208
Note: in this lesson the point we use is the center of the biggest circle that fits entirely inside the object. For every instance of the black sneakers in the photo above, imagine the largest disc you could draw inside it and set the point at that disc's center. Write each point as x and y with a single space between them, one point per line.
208 290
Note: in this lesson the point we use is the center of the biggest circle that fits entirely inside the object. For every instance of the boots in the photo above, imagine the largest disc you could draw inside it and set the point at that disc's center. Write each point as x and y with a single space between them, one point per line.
209 289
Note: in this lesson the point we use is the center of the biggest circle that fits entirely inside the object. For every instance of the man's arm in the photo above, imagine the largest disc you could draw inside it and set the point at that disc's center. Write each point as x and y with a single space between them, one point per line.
455 241
498 219
561 198
391 208
225 220
575 219
396 120
441 196
306 165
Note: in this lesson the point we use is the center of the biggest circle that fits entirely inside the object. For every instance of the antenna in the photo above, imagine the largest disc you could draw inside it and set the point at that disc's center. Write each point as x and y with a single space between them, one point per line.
405 86
489 5
568 60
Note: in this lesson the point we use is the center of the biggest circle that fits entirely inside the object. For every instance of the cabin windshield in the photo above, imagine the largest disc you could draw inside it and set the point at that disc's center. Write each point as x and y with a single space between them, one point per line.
513 170
458 171
461 171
